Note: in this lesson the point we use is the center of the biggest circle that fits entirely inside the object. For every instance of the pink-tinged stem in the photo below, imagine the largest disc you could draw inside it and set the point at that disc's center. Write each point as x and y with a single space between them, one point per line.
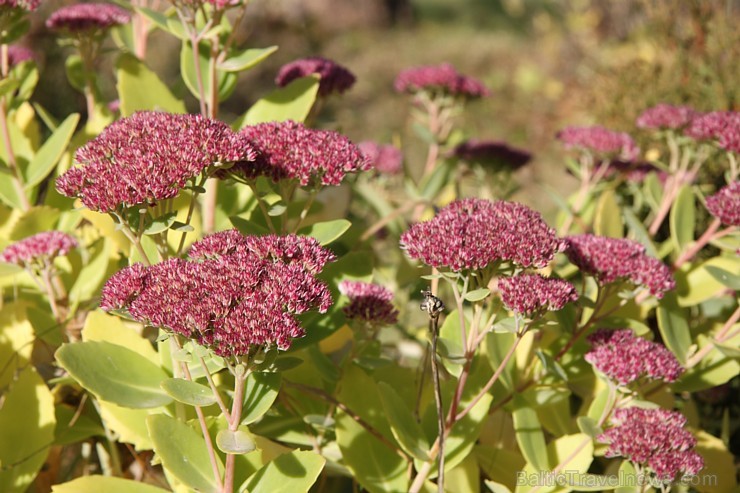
709 235
236 416
723 335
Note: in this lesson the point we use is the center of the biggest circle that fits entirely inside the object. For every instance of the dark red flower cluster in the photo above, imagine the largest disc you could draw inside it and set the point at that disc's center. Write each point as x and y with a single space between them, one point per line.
384 158
725 204
615 259
635 171
472 233
234 292
492 153
333 78
18 54
369 302
722 126
599 140
149 157
42 246
531 294
624 357
81 17
666 116
291 151
27 5
442 78
655 438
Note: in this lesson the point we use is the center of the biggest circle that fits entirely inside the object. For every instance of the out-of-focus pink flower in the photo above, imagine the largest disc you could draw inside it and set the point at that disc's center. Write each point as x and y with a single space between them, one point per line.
39 247
443 78
27 5
666 116
473 233
531 294
654 438
384 158
18 54
599 140
725 204
615 259
491 153
333 78
624 357
369 302
83 17
722 126
149 157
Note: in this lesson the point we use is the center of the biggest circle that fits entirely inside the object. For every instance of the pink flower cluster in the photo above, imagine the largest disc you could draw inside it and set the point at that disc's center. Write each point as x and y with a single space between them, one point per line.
488 152
723 126
666 116
616 259
82 17
27 5
725 204
599 140
442 78
18 54
42 246
291 151
369 302
624 357
473 233
333 78
531 294
233 293
384 158
655 438
149 157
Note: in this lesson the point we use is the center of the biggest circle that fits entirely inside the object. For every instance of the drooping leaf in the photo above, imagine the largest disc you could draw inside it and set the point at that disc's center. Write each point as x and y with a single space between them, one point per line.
294 472
246 59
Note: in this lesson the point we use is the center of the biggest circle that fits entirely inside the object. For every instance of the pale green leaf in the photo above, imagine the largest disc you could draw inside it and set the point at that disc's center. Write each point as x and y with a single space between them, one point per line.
292 102
141 89
246 59
108 484
188 392
326 232
403 425
48 155
294 472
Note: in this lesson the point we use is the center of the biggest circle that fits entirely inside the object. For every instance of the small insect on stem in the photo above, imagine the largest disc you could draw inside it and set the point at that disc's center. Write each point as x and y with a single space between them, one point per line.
431 304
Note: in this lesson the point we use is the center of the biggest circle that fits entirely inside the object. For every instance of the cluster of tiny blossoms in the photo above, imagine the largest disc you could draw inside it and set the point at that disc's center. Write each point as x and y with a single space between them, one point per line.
27 5
722 126
530 294
369 302
655 438
291 151
39 247
488 152
85 17
149 157
725 204
665 116
615 259
442 78
384 158
473 233
624 357
333 78
18 54
233 293
599 140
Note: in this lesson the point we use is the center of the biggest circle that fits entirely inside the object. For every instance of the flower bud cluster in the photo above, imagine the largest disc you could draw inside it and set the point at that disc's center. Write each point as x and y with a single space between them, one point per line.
386 159
442 78
39 247
488 152
531 294
722 126
725 204
369 302
333 78
85 17
599 140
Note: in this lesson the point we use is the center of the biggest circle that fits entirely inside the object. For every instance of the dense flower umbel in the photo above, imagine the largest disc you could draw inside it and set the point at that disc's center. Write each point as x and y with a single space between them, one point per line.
624 357
725 204
723 126
489 152
530 294
290 151
472 233
443 78
332 76
666 116
148 157
654 438
384 158
614 259
599 140
42 246
27 5
233 293
82 17
18 54
369 302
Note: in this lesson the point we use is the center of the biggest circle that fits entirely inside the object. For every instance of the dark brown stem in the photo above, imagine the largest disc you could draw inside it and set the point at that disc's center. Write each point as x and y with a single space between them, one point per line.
434 328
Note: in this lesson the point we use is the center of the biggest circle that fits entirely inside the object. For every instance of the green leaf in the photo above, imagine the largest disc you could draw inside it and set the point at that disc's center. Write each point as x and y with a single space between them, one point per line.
327 231
93 274
161 223
432 185
235 442
629 476
114 373
247 227
683 218
225 81
7 269
674 327
129 425
75 72
48 156
403 425
157 18
294 472
188 392
477 295
141 89
292 102
591 482
726 277
589 426
260 392
33 220
7 86
529 435
715 369
108 484
72 427
608 220
698 284
639 231
183 452
246 59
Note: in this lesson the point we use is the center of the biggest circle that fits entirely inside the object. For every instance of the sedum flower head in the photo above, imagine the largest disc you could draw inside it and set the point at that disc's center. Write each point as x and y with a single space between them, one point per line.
233 293
443 78
333 78
291 151
599 140
666 116
725 204
722 126
18 54
530 294
369 302
487 152
41 247
149 157
384 158
86 17
655 438
614 259
27 5
473 233
624 357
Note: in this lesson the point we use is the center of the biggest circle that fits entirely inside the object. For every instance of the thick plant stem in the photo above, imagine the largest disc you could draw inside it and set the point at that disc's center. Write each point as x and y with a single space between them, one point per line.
434 327
236 417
